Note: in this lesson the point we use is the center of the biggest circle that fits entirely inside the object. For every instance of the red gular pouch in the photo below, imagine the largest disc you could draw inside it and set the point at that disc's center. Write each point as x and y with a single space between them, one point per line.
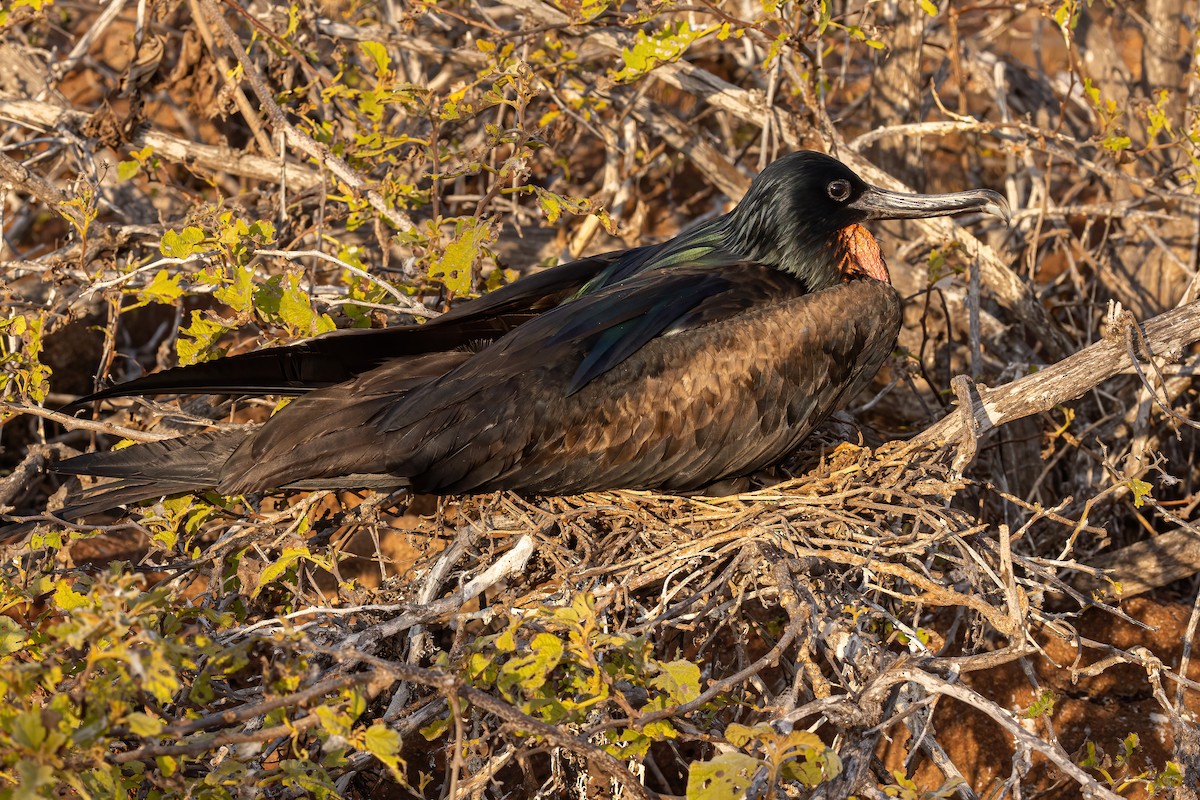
860 256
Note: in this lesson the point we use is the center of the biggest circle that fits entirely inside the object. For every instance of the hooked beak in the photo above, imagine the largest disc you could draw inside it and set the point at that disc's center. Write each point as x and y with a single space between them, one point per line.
885 204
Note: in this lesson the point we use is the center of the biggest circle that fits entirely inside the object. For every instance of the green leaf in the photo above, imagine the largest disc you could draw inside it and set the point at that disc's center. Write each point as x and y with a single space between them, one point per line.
1170 777
1091 759
629 744
333 721
158 676
127 169
182 244
290 556
810 761
1042 706
268 296
777 45
724 778
308 778
1128 746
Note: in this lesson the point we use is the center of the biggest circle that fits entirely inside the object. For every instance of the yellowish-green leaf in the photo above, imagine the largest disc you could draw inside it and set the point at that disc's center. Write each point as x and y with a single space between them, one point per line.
1116 143
506 642
289 558
378 54
333 721
663 46
1141 490
144 724
775 49
165 288
1043 705
1091 757
629 744
1170 777
553 205
27 730
807 759
158 677
590 9
454 107
381 741
181 244
31 778
198 341
12 636
455 264
680 680
66 598
741 735
530 672
928 7
726 777
435 729
295 308
238 294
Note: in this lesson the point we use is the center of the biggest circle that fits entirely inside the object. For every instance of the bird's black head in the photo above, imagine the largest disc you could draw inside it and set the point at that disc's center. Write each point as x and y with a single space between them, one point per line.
796 208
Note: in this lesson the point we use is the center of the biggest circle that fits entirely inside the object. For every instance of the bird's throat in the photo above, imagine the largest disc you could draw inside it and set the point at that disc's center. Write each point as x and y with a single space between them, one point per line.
858 255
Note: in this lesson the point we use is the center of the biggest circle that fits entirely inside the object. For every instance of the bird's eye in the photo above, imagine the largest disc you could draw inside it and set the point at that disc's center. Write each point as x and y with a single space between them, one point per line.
839 190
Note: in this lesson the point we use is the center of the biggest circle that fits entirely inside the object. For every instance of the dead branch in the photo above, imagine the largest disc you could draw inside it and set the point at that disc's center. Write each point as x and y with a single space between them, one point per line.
1166 335
216 160
1147 565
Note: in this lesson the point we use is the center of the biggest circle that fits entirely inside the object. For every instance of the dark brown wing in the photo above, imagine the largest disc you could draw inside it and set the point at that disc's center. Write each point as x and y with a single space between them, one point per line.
341 355
194 462
727 385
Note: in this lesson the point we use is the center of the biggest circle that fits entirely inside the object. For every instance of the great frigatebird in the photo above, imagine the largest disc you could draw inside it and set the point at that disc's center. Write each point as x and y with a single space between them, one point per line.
669 366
